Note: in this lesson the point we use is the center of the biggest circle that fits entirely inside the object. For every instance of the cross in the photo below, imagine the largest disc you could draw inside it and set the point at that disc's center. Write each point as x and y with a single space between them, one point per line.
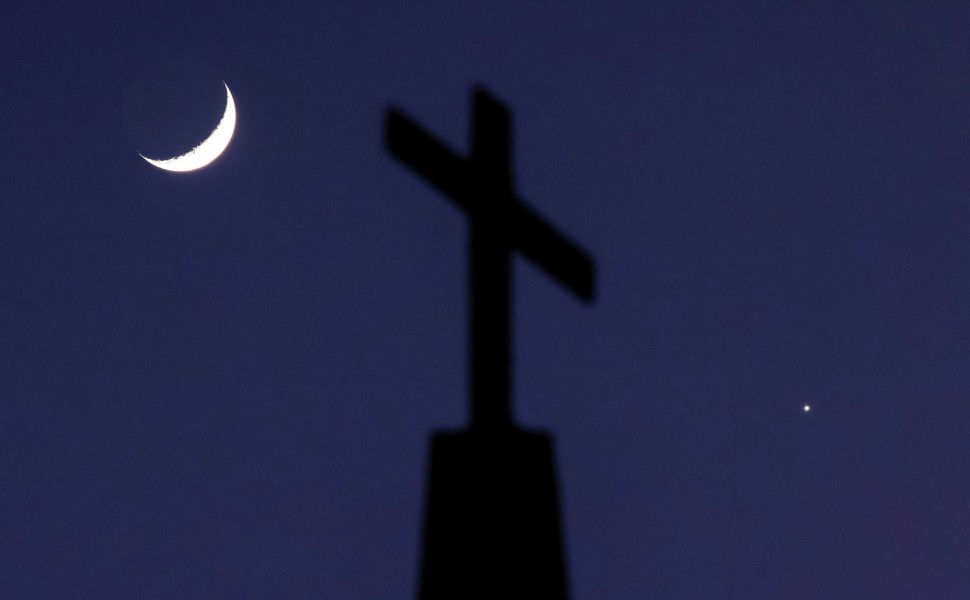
499 222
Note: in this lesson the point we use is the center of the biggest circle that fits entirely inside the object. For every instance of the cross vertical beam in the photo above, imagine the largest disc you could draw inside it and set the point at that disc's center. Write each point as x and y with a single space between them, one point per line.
489 274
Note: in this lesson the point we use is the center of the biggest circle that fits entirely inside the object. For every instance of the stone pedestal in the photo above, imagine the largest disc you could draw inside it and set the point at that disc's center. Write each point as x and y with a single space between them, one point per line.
492 525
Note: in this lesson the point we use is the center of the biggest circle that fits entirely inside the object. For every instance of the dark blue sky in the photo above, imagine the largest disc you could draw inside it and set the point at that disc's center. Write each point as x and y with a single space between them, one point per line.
221 384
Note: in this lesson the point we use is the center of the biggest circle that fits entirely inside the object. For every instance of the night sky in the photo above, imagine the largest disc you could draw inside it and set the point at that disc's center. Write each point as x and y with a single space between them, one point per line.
221 384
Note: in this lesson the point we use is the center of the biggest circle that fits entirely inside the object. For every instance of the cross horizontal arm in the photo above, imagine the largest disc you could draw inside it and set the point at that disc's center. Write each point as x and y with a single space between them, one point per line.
451 174
415 147
552 251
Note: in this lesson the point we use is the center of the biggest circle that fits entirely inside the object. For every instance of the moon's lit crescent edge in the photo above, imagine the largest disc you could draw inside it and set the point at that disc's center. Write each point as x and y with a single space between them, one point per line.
209 149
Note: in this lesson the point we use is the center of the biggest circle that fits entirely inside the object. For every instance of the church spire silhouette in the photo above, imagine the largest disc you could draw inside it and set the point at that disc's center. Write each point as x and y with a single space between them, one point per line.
492 518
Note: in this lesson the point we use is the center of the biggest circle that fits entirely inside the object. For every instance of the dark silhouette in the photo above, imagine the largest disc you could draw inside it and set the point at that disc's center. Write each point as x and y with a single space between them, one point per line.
492 522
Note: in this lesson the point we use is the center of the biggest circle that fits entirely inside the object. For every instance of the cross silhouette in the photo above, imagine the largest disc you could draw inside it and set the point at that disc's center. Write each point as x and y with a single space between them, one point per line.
498 222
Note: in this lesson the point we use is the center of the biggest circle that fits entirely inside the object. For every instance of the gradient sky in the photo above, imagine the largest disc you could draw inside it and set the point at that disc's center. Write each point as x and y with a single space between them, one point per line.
221 384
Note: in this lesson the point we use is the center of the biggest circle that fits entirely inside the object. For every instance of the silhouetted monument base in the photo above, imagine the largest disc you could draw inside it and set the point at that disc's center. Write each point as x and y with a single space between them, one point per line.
492 518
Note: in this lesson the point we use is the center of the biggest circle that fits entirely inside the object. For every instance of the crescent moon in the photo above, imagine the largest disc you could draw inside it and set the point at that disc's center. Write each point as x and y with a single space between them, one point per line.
209 149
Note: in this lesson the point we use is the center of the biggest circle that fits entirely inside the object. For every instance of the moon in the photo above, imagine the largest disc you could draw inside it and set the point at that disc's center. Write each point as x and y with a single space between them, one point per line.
210 148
